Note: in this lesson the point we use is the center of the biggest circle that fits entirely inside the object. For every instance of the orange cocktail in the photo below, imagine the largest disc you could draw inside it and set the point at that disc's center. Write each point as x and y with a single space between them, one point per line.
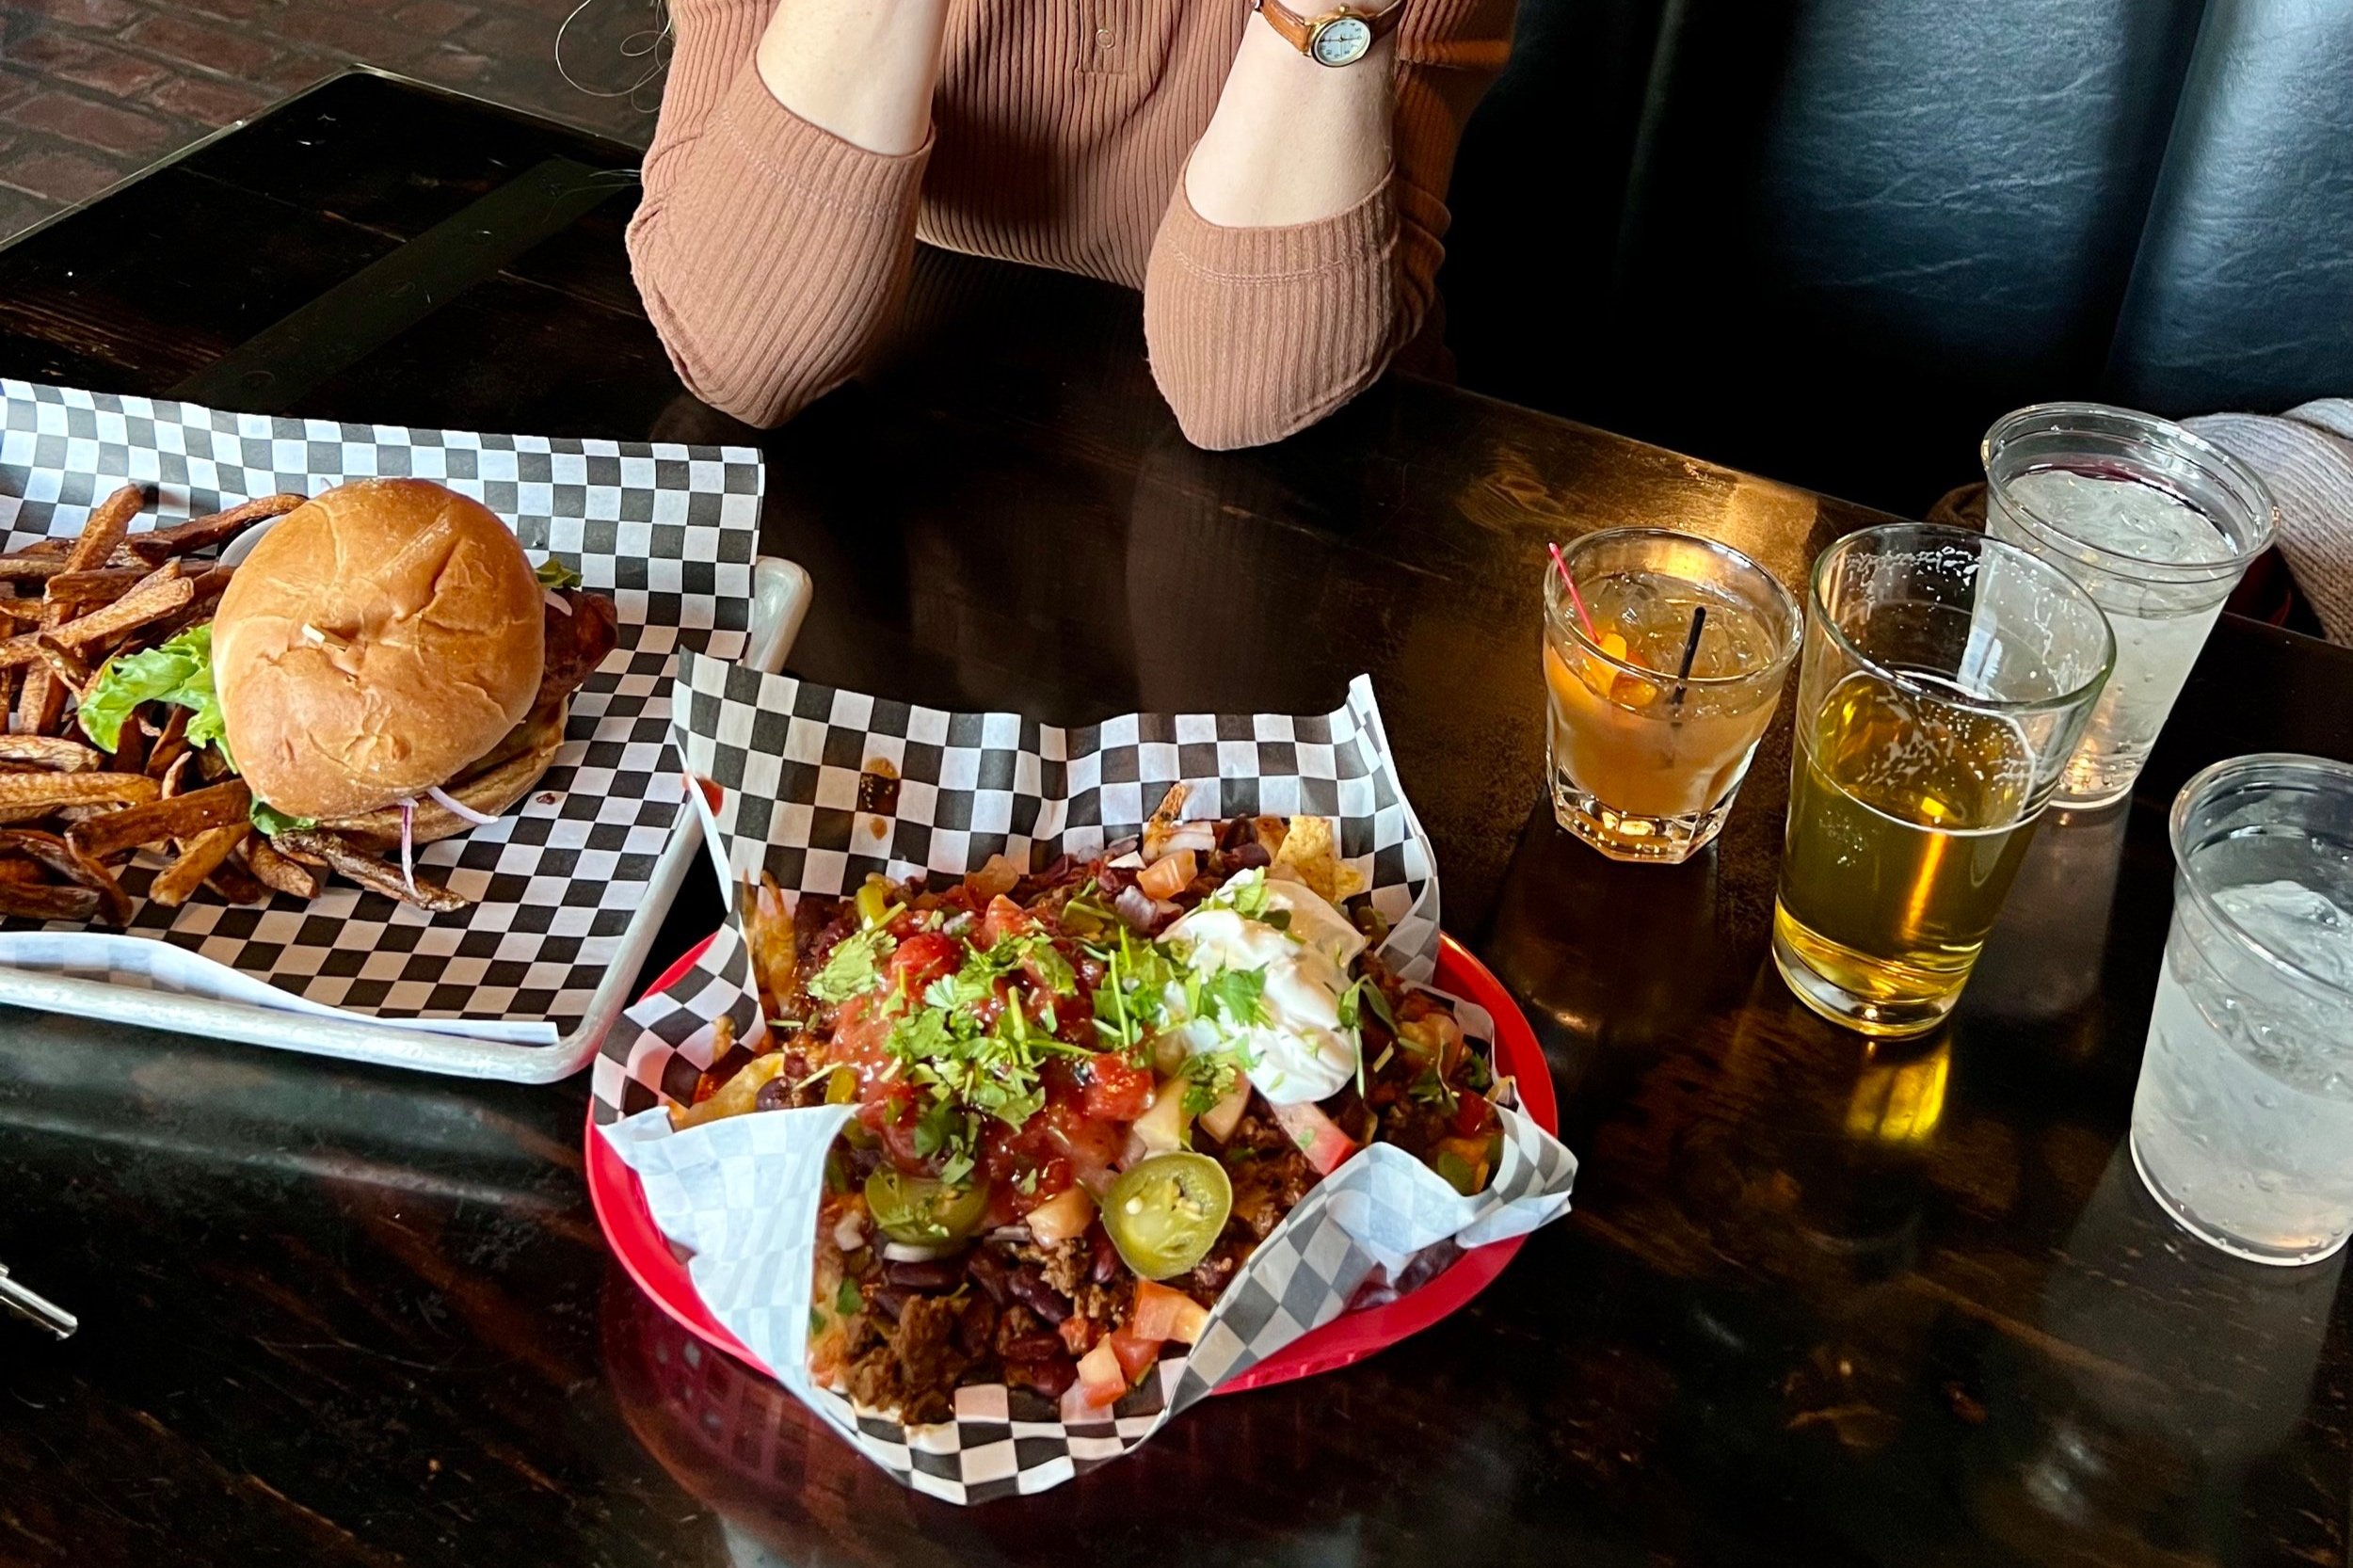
1658 693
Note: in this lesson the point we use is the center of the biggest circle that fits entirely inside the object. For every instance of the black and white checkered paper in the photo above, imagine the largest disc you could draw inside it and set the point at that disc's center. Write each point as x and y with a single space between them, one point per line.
742 1195
669 532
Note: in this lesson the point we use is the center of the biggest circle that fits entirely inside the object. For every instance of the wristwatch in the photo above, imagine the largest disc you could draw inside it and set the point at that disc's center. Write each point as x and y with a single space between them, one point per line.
1340 37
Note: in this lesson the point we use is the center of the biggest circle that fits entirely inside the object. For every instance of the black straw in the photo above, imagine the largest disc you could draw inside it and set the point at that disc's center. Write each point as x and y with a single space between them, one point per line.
1691 650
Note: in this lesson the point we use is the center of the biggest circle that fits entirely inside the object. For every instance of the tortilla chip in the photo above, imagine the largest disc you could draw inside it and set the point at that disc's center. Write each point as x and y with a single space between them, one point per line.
1311 855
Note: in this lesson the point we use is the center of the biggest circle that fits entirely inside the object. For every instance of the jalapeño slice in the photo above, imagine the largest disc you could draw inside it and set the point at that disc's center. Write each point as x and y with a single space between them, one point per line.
1165 1212
922 1212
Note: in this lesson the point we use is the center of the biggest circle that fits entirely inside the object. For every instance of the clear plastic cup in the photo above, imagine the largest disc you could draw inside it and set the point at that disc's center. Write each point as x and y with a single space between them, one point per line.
2243 1123
2158 524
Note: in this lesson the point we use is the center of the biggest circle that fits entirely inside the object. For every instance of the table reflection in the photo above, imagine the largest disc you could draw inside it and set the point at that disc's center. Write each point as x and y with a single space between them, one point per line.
2043 965
2184 1375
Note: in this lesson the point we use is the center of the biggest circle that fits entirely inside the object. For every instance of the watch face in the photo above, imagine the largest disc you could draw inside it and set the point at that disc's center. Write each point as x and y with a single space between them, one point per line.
1342 40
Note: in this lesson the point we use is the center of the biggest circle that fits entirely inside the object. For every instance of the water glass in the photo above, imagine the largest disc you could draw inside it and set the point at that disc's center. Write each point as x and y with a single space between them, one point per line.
2243 1123
2158 525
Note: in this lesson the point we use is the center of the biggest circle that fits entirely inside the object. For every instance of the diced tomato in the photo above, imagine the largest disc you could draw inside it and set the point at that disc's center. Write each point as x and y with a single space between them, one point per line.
1116 1092
891 1116
1471 1116
1135 1355
1318 1136
1102 1379
1004 919
1079 1334
1169 875
1160 1313
925 956
862 1038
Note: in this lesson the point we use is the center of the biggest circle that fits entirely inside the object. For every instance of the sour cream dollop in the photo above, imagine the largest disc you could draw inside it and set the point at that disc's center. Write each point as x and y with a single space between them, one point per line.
1297 1050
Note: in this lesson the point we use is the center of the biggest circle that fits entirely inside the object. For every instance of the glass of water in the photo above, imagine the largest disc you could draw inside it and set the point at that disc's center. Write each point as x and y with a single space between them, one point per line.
2243 1123
2158 525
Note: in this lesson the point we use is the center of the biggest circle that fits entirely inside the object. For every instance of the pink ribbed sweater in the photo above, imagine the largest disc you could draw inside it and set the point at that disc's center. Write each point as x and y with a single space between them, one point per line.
771 253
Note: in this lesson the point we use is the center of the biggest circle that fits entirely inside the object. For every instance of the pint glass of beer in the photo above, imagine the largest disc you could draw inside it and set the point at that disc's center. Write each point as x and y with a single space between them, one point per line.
1946 680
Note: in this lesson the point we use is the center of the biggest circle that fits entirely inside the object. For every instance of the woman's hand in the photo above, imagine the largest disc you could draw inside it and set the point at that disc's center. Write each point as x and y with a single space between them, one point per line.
1292 141
863 70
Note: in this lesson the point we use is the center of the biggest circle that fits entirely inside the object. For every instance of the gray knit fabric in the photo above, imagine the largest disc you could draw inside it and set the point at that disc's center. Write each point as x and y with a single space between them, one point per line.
2306 457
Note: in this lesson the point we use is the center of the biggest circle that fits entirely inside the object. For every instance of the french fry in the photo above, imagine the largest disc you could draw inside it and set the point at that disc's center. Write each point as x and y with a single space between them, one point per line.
208 585
22 609
59 856
171 745
40 702
183 539
63 662
74 592
16 867
105 528
200 857
50 790
45 751
348 860
131 747
281 872
157 595
157 820
236 884
35 562
42 902
175 780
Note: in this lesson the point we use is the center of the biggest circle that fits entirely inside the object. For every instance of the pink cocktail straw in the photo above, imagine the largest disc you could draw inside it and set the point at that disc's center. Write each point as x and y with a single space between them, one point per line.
1576 601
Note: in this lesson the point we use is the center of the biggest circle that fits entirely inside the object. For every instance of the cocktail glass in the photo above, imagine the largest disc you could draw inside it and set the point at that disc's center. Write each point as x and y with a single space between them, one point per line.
1655 706
2158 524
1947 679
2243 1124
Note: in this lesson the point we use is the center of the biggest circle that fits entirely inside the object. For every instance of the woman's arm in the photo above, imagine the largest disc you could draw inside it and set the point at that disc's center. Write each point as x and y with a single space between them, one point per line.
1299 249
781 191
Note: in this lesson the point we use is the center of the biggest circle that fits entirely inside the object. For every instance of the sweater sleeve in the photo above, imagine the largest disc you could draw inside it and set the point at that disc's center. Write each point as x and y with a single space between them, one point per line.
1256 333
769 252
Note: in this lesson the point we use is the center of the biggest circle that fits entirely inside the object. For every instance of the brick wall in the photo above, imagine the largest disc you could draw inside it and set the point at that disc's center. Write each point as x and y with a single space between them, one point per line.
93 91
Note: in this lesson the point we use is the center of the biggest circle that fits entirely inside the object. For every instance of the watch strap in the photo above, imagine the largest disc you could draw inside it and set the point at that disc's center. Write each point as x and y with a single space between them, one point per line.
1300 31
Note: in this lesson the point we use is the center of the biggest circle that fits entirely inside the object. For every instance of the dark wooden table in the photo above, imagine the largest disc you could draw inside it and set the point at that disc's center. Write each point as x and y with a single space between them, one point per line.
1817 1304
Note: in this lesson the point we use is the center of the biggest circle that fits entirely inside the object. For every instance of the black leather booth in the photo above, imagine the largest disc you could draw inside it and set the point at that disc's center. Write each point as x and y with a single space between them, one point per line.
1829 240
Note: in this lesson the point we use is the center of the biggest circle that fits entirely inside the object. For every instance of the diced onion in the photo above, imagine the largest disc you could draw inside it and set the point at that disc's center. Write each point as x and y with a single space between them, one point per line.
408 843
848 1234
899 1252
555 601
457 807
1197 836
1139 908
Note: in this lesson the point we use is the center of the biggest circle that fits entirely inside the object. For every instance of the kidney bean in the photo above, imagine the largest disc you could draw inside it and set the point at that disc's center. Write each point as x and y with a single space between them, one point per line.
1030 1289
1106 1257
1049 1376
774 1095
888 1301
988 1272
1032 1346
936 1274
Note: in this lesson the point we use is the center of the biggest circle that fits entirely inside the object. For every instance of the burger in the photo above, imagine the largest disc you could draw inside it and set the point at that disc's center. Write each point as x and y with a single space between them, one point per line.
390 668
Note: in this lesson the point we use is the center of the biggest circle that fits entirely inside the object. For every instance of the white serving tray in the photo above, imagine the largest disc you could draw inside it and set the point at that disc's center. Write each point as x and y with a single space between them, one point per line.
780 595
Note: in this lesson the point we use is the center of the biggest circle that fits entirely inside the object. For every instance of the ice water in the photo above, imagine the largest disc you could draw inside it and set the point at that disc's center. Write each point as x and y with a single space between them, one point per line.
1643 759
2161 621
2242 1125
1908 818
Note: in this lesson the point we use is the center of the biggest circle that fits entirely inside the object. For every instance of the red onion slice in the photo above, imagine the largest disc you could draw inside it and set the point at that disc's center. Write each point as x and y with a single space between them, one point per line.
408 843
459 809
555 601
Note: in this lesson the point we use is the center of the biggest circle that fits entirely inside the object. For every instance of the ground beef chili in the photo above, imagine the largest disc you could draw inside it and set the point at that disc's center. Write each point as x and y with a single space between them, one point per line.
898 1326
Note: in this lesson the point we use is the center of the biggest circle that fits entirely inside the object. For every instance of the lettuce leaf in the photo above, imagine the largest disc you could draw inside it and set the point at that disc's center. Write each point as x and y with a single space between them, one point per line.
553 573
179 672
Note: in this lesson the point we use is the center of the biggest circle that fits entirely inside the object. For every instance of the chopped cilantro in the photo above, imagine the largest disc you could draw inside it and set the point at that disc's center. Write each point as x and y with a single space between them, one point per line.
1430 1089
1209 1078
1239 996
1357 997
854 967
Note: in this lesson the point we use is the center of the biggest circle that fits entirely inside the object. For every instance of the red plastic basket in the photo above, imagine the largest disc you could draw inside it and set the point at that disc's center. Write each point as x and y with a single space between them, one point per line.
620 1205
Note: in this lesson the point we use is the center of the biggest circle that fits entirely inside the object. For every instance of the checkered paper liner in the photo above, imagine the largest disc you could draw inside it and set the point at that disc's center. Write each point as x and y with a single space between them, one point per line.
669 532
742 1195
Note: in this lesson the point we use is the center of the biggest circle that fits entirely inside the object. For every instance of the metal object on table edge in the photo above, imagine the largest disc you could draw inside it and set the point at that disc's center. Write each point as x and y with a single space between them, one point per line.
36 1307
780 595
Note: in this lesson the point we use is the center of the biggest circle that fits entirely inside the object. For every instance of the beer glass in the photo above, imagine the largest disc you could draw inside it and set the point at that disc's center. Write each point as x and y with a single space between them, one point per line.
1946 679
